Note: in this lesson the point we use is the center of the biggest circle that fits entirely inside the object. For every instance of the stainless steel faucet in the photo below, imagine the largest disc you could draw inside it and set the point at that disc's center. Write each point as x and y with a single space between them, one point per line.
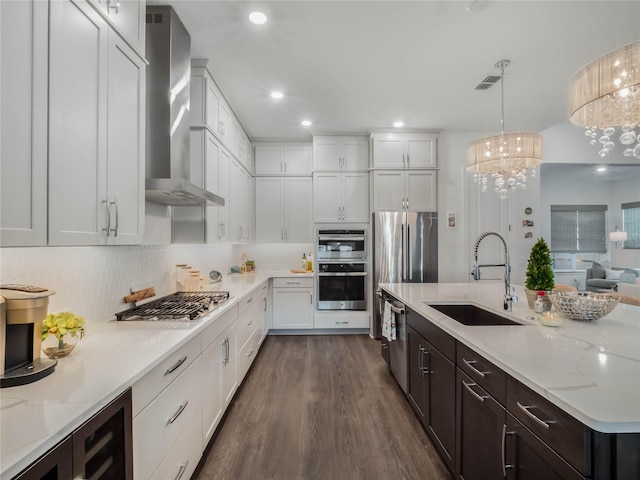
509 296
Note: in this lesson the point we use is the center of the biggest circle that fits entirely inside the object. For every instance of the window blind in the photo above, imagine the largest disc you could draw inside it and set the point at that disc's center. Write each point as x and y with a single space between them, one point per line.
578 228
631 224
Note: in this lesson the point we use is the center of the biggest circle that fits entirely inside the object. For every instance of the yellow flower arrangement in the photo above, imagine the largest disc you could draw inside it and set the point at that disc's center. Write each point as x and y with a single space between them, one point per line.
60 324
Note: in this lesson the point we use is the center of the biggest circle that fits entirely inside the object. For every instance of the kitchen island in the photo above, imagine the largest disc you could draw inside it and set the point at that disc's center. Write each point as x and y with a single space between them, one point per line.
591 370
531 401
110 359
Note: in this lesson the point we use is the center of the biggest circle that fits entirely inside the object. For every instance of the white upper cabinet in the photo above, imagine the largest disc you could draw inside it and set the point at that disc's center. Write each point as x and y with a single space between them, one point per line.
283 210
274 158
240 204
404 150
408 190
341 197
205 98
23 123
337 153
207 151
96 124
128 16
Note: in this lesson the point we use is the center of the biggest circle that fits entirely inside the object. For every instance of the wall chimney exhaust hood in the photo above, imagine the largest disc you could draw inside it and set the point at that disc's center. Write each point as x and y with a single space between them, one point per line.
168 50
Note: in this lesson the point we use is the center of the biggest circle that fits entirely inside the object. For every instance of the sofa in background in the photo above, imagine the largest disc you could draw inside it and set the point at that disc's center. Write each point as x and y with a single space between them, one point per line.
600 278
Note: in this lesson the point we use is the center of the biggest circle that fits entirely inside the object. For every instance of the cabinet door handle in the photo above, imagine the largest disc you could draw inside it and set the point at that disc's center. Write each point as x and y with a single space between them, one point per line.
504 441
407 198
470 364
265 304
426 370
468 387
525 409
108 228
183 468
403 160
115 209
223 344
420 359
113 5
286 234
285 167
311 298
175 416
408 160
250 352
175 366
228 351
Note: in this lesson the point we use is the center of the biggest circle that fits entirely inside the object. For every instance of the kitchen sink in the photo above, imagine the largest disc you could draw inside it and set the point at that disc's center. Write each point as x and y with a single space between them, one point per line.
471 315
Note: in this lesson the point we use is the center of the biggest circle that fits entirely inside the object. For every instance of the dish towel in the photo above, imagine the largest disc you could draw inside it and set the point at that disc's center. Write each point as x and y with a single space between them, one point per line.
388 323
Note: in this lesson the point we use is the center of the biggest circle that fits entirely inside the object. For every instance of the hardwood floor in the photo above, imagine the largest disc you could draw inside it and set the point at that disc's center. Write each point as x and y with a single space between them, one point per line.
321 407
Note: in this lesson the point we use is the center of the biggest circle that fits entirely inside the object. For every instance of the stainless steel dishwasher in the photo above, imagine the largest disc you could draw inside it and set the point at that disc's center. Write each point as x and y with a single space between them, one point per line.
398 347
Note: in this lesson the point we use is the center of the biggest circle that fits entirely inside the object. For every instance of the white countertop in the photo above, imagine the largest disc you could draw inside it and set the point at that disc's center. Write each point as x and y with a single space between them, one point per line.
591 370
108 360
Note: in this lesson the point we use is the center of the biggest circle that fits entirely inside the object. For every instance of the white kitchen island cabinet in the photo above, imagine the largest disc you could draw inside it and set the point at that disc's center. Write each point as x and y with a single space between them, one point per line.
283 210
341 197
404 150
404 190
96 131
292 303
23 123
340 153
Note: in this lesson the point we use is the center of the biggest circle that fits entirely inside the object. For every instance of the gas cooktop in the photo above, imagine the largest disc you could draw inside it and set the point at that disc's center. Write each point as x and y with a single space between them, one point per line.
178 306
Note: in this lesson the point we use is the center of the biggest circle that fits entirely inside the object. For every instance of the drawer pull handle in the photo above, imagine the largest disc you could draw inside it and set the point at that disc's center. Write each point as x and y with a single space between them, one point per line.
525 409
250 300
293 283
178 412
470 364
344 322
183 468
250 352
468 387
176 366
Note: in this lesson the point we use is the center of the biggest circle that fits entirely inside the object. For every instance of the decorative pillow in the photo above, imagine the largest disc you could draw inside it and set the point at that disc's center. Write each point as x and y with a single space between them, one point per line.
613 274
597 270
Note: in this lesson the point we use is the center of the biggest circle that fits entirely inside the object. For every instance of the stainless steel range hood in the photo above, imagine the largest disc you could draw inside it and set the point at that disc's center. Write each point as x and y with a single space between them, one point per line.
168 50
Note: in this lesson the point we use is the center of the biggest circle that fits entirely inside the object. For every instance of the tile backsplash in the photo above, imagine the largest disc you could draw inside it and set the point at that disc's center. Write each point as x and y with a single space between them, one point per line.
91 281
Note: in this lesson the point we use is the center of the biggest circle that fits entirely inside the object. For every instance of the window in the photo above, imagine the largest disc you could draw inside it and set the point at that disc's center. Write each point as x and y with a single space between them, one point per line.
631 224
578 228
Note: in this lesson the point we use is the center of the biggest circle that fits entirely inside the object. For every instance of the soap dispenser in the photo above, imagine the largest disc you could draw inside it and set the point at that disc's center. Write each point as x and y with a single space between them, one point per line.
304 261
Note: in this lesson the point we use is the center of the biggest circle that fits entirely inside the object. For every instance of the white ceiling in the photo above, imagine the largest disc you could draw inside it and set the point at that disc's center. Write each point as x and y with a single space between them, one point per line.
357 66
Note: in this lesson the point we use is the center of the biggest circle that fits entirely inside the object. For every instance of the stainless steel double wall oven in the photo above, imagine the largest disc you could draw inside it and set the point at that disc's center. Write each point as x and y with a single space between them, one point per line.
341 258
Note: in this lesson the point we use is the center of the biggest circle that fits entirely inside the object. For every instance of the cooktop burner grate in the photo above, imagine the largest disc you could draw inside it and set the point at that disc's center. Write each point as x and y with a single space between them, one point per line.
177 306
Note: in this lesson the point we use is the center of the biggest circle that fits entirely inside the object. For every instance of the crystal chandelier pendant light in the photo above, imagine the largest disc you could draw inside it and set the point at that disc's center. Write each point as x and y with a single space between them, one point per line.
605 95
506 158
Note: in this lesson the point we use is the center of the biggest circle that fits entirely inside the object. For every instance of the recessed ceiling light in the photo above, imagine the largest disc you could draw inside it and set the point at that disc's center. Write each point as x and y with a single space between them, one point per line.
306 123
277 95
398 124
258 18
601 169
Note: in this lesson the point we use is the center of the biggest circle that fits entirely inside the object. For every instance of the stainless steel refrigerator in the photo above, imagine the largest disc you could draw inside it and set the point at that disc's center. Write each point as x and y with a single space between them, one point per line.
405 250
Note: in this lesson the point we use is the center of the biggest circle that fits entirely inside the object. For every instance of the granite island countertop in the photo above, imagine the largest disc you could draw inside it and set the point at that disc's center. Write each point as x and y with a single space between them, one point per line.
591 370
106 362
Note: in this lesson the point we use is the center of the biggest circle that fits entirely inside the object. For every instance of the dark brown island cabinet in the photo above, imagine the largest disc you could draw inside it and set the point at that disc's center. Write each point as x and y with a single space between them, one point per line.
486 425
100 449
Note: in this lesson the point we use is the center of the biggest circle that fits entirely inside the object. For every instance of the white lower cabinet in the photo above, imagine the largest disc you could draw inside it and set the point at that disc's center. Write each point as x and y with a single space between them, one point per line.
219 376
183 458
264 311
157 428
292 303
246 336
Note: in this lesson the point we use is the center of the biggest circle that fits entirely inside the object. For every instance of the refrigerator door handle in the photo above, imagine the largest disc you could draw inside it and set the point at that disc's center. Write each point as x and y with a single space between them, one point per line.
408 253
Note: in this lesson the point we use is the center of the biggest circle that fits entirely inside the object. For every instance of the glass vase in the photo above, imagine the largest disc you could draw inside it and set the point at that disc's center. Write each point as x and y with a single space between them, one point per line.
54 348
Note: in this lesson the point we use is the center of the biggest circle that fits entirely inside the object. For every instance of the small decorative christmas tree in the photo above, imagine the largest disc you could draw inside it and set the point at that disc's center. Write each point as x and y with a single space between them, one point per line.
539 274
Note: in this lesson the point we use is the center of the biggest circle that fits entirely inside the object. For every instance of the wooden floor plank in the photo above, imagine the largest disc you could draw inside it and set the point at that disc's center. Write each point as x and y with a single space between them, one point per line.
320 407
